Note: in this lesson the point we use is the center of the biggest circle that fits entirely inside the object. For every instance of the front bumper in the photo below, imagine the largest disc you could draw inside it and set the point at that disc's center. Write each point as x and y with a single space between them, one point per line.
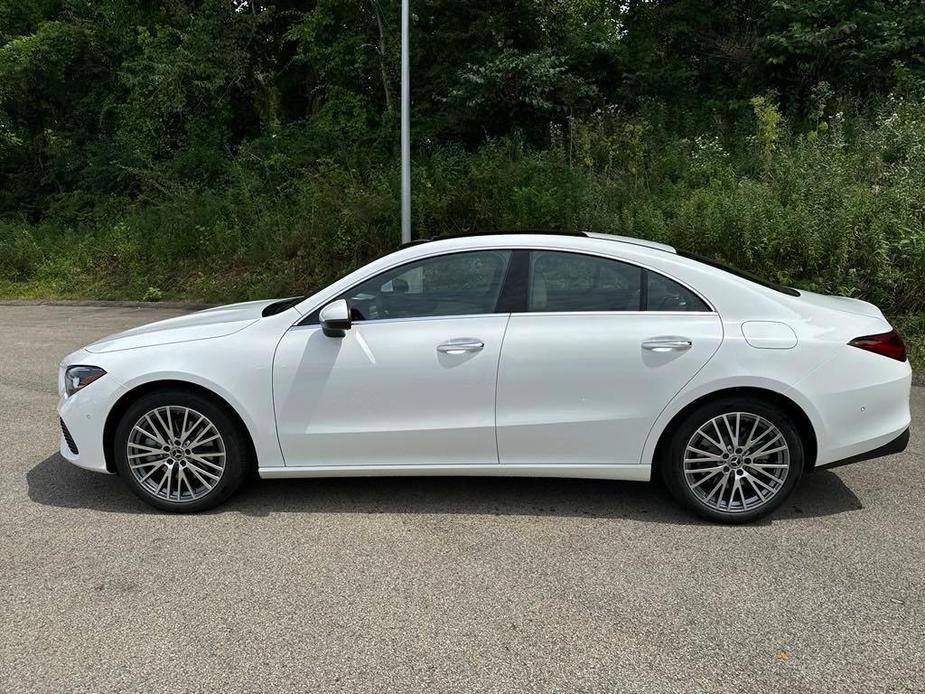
83 417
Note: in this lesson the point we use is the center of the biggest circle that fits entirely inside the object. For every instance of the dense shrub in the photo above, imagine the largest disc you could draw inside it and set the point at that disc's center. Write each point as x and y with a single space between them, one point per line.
839 208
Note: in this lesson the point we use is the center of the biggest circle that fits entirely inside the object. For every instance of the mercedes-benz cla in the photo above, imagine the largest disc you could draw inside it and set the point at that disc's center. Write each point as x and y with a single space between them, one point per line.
559 355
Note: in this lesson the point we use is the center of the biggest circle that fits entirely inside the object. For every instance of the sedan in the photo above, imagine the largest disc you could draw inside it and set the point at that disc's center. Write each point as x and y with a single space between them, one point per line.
543 355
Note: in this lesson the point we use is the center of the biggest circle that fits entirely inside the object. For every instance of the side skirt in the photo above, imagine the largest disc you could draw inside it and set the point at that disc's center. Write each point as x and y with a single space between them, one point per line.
638 473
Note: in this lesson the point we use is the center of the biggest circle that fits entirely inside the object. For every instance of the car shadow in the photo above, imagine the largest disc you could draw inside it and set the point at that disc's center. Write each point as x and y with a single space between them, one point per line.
55 482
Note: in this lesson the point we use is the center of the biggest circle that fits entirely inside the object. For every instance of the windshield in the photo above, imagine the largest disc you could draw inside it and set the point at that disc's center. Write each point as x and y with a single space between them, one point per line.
789 291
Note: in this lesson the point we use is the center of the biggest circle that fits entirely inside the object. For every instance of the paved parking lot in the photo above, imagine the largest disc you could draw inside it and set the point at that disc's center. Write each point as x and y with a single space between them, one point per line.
450 585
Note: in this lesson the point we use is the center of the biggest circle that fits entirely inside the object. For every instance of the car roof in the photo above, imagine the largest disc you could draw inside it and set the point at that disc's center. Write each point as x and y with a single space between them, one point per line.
629 239
533 232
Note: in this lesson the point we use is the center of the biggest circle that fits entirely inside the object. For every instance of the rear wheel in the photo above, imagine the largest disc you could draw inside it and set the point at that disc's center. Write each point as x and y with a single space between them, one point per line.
734 460
180 451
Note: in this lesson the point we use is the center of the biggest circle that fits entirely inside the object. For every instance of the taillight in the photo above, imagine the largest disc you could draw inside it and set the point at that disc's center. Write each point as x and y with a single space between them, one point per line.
887 344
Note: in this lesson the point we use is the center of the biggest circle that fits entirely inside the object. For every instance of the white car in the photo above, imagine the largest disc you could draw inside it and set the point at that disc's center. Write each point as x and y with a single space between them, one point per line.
559 355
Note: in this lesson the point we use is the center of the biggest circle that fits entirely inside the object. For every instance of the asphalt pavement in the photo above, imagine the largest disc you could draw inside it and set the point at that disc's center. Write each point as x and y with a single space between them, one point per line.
438 585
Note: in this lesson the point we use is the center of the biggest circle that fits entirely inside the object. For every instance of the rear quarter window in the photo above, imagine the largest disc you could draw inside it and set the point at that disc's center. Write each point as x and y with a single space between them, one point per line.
664 294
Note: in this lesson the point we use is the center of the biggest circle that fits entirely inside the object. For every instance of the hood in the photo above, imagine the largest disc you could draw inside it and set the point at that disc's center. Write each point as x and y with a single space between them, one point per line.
841 303
202 325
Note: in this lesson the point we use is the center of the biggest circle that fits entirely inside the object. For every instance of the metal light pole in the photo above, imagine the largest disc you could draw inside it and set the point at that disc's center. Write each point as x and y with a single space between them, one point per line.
405 129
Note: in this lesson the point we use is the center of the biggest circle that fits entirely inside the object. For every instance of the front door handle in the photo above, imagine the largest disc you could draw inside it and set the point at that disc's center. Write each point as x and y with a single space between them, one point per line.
461 345
668 343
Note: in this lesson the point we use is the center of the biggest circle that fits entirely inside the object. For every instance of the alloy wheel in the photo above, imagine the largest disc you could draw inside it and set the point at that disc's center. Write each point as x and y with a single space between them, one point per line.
176 453
736 462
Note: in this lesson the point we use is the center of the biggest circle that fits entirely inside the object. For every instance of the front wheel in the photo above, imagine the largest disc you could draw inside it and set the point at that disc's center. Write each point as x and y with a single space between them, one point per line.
180 451
734 460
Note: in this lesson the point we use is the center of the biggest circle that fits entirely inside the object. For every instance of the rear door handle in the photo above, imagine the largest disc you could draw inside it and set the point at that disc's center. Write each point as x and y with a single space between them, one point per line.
667 343
461 345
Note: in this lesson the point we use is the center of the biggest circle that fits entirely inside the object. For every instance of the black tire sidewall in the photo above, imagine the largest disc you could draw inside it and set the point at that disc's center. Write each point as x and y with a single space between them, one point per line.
237 460
672 466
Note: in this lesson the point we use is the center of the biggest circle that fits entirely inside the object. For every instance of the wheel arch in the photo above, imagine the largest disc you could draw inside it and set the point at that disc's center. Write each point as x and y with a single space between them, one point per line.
797 414
120 407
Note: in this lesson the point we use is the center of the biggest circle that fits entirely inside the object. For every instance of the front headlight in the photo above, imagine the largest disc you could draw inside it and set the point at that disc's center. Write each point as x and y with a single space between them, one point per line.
77 377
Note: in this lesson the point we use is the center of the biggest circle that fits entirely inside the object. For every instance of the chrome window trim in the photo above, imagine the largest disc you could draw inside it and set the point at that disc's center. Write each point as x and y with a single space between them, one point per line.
551 314
513 249
415 319
615 313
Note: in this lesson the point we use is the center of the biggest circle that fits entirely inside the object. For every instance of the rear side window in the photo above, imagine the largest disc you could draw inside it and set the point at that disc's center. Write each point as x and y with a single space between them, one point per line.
570 282
574 282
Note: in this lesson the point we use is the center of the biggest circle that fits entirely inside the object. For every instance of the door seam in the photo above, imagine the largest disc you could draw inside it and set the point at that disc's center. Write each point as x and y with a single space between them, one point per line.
645 443
497 379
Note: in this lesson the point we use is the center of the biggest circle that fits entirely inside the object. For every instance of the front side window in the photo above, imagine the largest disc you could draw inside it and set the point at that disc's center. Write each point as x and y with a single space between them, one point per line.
449 285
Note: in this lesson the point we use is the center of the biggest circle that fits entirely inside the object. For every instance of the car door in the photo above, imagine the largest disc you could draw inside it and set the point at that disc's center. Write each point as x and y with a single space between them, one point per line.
602 348
412 381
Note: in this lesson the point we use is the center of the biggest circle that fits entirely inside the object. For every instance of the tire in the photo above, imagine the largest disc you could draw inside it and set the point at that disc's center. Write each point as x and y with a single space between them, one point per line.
177 478
764 473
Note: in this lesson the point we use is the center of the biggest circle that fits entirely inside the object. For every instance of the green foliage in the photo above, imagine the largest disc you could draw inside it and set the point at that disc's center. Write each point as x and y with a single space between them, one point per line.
838 213
519 88
21 254
769 120
223 149
912 328
852 44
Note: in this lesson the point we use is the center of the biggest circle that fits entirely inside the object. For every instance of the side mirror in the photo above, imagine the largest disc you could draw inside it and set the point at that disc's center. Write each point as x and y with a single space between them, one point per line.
335 318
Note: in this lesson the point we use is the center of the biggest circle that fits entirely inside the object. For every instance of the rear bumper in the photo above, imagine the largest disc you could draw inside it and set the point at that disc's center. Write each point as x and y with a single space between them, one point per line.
897 445
857 403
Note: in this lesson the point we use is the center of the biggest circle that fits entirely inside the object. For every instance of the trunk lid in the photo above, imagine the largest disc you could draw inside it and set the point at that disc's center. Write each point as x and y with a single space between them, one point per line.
841 303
